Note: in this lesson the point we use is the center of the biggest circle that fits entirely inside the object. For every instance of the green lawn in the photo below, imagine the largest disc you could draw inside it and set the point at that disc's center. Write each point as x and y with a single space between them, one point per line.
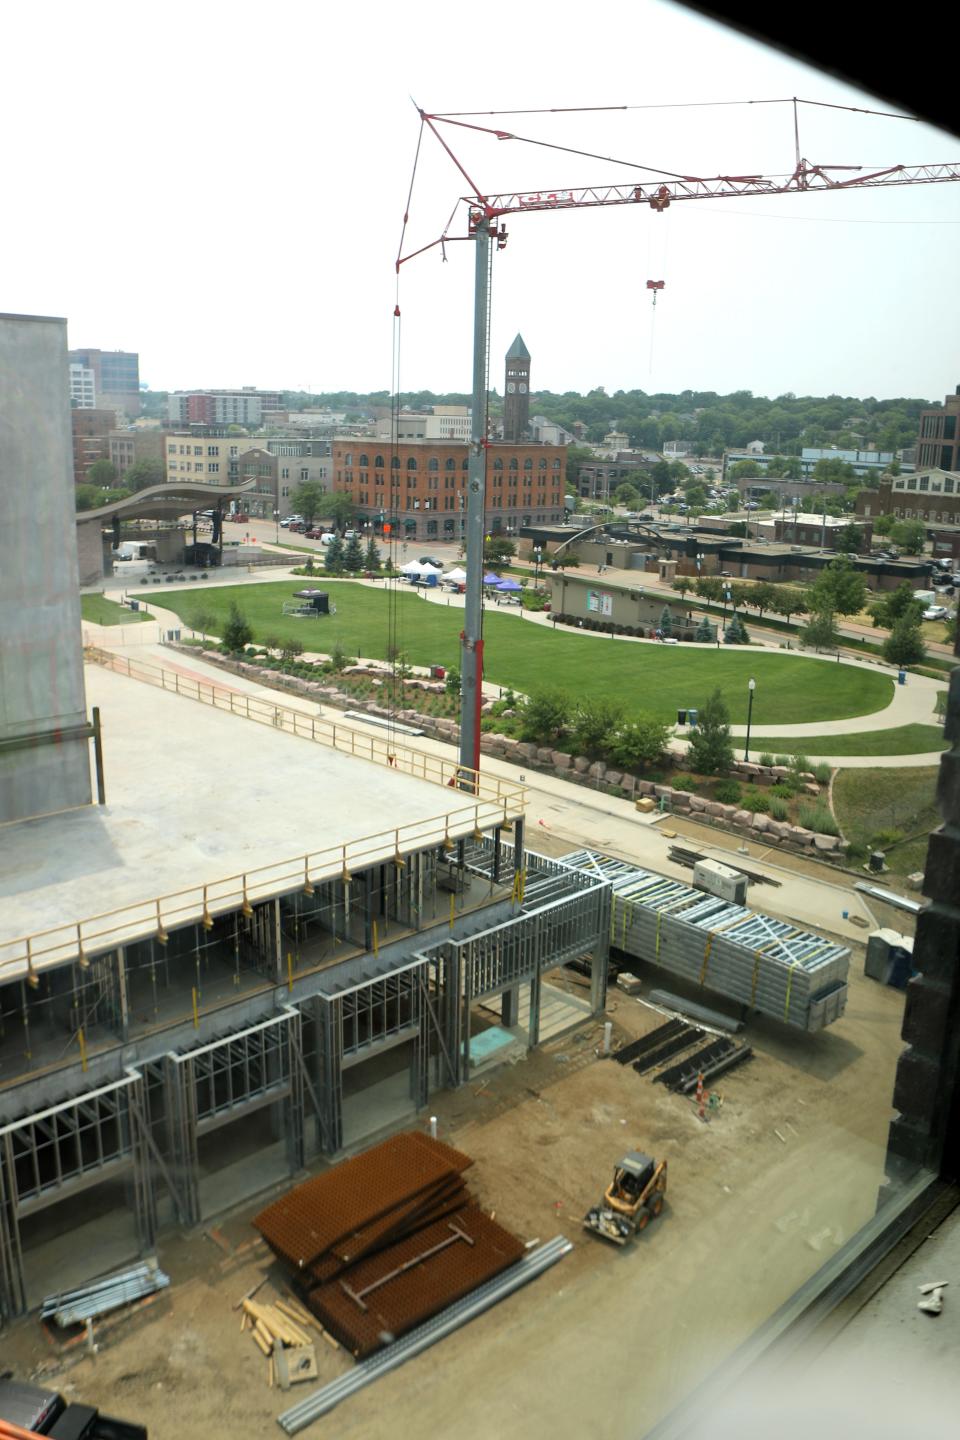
890 810
790 689
904 740
101 611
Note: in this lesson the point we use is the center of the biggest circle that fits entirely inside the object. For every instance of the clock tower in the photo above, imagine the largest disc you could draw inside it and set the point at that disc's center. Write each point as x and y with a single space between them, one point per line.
516 401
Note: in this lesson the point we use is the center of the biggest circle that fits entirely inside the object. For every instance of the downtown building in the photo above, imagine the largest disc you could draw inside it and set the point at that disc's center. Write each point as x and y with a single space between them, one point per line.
420 486
107 379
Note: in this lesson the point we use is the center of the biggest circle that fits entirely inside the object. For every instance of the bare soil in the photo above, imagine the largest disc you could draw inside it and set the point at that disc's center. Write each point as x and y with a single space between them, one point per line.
608 1339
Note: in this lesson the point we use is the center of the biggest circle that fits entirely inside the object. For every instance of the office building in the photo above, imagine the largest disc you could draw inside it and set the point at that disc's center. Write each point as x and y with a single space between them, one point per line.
938 445
116 375
246 407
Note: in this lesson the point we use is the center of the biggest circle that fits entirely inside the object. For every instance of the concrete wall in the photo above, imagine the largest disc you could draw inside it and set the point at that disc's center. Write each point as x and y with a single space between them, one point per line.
91 552
41 659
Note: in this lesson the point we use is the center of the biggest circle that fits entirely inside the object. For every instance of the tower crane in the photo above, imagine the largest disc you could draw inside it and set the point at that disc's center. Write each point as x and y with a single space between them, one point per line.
485 227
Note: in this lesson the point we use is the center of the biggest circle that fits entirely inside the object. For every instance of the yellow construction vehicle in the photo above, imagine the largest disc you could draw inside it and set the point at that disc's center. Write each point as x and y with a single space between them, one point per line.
634 1198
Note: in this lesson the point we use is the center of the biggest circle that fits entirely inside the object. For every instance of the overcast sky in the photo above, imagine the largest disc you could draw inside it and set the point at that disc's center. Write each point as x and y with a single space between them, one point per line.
221 187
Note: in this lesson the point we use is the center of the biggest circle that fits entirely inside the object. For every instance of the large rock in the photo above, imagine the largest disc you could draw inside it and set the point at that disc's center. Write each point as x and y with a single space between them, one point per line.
661 790
747 767
645 787
581 764
544 756
628 785
597 770
742 817
826 842
680 800
613 777
561 760
800 836
697 802
712 807
809 789
779 771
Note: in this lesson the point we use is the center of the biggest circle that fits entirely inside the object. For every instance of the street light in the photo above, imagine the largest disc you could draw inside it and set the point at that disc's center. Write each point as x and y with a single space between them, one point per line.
751 686
699 559
537 553
727 596
276 522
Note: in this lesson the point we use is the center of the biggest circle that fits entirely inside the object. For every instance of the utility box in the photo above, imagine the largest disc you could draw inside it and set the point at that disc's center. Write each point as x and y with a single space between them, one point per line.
889 958
720 880
646 805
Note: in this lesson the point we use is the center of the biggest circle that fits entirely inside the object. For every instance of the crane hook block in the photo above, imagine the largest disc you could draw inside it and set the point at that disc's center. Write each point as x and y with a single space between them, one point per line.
661 200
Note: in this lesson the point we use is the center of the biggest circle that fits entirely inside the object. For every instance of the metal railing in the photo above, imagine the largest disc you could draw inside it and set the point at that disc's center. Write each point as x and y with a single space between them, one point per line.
380 749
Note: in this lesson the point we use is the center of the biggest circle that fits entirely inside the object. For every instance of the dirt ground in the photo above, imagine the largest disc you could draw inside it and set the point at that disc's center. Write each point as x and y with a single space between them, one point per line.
608 1339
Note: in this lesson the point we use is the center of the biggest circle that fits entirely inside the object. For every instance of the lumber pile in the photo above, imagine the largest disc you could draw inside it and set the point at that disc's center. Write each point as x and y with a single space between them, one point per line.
386 1239
281 1333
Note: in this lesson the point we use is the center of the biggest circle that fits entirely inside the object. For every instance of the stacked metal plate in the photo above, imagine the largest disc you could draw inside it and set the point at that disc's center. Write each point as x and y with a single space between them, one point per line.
123 1287
768 965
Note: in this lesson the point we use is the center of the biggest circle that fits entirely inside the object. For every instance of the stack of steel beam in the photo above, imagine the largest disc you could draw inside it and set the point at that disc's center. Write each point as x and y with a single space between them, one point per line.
766 964
385 1240
75 1307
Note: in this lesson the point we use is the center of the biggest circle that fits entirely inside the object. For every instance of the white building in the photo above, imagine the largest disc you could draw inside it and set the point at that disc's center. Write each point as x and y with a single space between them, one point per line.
83 387
444 422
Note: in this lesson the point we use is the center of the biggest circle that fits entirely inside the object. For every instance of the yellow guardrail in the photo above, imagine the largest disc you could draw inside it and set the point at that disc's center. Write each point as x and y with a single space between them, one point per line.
496 801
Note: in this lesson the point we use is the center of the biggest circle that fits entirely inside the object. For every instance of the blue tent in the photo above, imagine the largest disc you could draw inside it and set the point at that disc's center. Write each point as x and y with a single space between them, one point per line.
509 584
491 579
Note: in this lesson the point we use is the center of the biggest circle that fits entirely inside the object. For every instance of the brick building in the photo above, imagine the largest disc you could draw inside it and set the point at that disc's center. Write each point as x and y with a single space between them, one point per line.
427 497
128 447
91 439
938 444
932 496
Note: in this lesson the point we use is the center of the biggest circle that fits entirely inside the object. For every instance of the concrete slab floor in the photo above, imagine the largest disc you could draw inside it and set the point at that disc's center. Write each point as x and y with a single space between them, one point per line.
195 795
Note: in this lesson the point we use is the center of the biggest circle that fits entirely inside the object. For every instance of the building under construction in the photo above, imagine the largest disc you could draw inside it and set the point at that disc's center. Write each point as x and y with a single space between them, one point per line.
272 937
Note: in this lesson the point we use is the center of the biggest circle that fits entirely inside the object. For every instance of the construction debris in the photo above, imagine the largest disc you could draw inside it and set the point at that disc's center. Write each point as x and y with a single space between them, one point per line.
932 1302
123 1287
382 1242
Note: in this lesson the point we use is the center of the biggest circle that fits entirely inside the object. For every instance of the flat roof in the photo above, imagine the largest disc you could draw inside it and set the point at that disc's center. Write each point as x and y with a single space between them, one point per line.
197 797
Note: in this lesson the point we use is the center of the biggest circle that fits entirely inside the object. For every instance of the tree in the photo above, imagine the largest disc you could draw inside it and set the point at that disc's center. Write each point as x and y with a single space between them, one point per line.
143 473
821 632
884 524
711 749
840 588
594 724
290 650
85 496
789 600
849 540
897 605
202 619
665 624
353 556
544 716
371 560
705 633
340 507
335 557
745 470
236 632
904 645
761 596
793 469
102 473
626 495
709 587
308 500
566 560
682 584
577 455
640 742
497 550
736 632
909 535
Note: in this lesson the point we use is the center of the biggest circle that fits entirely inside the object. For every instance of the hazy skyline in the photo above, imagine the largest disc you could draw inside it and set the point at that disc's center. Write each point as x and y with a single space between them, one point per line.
223 192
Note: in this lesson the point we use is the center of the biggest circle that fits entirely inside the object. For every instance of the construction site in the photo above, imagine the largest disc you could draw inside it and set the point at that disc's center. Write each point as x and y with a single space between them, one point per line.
324 1090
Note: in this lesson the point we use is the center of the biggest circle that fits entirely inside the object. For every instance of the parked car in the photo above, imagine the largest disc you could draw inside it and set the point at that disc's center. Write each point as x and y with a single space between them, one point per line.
935 612
315 534
431 560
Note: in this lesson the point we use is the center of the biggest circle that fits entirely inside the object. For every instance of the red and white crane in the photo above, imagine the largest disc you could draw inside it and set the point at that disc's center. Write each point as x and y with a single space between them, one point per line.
485 214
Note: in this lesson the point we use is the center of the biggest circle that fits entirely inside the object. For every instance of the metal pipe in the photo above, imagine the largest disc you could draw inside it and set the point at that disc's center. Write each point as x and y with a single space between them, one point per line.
471 640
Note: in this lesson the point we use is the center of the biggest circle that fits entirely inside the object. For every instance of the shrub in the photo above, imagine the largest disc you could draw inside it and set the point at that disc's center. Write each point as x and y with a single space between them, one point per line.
884 839
779 809
822 773
544 716
711 750
784 759
819 819
727 792
784 789
856 850
639 743
236 632
594 725
799 764
685 782
451 683
756 801
766 758
339 659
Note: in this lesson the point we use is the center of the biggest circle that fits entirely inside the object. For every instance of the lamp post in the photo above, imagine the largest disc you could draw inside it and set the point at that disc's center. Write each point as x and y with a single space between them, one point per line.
276 524
537 554
699 559
751 686
727 596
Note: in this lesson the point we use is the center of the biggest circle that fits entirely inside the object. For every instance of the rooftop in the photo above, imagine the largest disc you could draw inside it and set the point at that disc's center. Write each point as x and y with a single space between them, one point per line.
205 808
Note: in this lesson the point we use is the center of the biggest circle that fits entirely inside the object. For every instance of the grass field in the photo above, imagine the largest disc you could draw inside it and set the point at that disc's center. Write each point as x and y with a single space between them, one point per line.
903 740
101 611
892 810
527 656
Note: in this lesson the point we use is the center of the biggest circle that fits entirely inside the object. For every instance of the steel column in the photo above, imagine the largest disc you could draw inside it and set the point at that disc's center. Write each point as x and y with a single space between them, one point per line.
471 640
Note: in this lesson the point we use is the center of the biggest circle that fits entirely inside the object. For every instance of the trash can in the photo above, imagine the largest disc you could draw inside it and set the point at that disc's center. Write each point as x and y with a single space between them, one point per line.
692 717
438 672
877 861
134 604
901 677
681 717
